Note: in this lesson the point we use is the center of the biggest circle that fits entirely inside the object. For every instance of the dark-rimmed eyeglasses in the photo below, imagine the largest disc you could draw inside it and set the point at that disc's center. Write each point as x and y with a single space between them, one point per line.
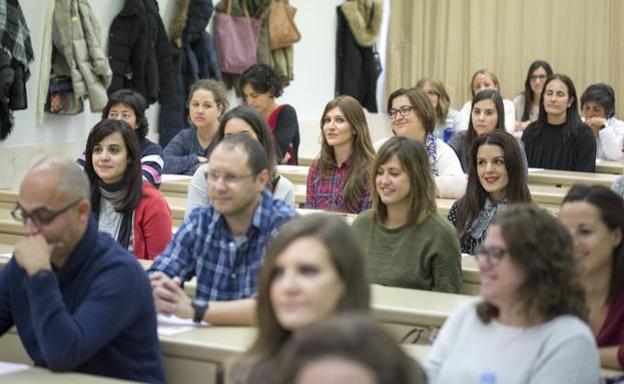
403 111
39 216
492 255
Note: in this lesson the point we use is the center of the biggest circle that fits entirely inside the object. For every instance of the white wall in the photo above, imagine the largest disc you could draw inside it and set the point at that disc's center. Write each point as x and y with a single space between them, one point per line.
311 89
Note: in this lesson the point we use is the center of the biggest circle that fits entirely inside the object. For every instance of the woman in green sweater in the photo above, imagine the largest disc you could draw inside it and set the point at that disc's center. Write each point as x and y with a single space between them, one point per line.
408 245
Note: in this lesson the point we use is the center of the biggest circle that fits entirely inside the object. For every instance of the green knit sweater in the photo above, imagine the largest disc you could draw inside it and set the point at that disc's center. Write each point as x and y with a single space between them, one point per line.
418 256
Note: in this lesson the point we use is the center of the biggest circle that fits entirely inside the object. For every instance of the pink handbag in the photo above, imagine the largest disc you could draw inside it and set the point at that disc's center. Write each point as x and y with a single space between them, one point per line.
236 39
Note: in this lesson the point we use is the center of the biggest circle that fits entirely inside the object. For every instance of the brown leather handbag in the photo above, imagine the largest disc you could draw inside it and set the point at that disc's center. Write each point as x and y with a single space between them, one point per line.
282 29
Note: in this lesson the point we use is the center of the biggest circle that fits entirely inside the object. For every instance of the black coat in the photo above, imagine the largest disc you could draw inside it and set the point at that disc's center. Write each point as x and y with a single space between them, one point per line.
196 59
355 67
140 54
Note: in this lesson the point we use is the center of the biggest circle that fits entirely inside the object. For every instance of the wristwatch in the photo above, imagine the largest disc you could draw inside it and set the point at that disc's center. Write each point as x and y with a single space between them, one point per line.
199 309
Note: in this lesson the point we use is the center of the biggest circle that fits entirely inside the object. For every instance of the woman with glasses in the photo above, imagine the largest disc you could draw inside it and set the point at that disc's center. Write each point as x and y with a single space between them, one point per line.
338 178
559 139
594 215
527 103
481 80
412 116
192 147
441 102
131 211
407 243
529 324
242 119
130 106
496 177
313 270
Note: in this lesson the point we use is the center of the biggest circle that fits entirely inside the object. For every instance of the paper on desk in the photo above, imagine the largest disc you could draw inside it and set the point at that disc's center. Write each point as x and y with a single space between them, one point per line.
171 325
6 368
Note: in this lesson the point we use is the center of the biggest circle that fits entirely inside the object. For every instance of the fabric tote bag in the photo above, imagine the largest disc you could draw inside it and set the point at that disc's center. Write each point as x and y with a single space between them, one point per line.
236 39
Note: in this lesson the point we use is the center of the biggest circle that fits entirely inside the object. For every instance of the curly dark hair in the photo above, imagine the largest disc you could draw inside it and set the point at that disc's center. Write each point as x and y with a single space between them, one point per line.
262 79
543 248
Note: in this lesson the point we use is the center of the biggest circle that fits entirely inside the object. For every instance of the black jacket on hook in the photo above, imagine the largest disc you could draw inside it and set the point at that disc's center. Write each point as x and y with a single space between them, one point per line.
140 53
355 67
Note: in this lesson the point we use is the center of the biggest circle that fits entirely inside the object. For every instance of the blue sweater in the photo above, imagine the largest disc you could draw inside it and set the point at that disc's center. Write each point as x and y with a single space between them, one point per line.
95 315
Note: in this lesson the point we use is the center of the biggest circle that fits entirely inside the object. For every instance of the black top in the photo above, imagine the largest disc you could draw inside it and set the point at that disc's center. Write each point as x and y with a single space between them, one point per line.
546 148
287 132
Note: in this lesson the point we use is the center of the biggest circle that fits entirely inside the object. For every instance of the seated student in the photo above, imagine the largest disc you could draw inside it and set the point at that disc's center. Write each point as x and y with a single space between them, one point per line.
222 243
237 120
441 102
495 178
529 325
314 269
412 116
595 217
191 147
348 348
78 300
338 178
528 101
407 243
598 106
131 211
481 80
261 85
559 139
130 106
486 115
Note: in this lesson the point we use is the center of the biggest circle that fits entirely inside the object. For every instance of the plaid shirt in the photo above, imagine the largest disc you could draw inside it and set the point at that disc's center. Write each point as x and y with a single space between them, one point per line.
327 192
204 247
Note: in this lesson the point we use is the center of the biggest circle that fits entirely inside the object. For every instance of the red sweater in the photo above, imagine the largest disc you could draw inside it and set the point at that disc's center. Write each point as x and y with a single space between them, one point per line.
152 224
612 331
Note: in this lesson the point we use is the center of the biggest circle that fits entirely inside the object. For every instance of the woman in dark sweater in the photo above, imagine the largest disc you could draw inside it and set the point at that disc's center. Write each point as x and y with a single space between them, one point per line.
261 85
559 139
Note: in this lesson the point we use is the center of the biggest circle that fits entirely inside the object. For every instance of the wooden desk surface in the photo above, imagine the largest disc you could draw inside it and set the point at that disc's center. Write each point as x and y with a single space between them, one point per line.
414 307
216 344
44 376
568 178
610 166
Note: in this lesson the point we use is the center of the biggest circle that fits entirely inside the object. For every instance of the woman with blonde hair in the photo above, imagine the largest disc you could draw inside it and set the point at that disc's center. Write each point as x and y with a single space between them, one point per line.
481 80
407 243
441 102
338 178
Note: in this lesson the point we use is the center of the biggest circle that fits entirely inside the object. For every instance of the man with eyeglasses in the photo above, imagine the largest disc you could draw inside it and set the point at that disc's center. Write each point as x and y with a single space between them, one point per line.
79 301
222 243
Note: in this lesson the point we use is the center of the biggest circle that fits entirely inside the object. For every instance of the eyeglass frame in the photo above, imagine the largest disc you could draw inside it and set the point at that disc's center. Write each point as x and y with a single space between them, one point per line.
25 215
404 111
489 257
228 179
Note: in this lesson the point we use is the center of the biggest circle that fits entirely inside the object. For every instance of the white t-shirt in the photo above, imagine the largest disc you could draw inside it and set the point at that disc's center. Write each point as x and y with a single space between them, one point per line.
561 350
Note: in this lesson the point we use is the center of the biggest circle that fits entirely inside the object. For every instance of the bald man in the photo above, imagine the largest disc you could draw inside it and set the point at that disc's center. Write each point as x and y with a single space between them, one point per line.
78 300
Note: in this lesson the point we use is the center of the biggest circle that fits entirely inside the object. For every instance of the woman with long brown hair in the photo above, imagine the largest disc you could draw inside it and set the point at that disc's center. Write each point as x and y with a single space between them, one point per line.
338 178
314 268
